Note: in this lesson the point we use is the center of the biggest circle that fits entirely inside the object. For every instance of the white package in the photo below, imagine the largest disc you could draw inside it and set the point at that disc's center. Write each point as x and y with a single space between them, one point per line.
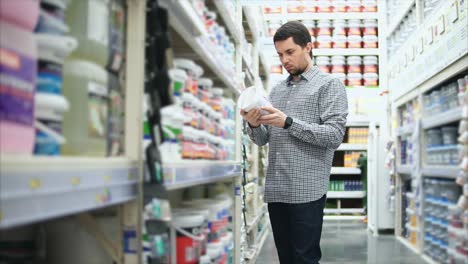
253 97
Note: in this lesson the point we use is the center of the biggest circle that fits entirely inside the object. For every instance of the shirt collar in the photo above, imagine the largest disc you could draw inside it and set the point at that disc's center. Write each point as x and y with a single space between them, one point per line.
306 76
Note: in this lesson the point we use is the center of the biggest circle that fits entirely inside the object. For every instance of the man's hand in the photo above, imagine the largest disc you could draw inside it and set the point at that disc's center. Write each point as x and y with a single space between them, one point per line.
275 117
252 117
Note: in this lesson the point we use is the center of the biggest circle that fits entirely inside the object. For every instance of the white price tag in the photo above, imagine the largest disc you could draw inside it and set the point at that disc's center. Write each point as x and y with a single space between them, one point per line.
429 36
453 14
441 25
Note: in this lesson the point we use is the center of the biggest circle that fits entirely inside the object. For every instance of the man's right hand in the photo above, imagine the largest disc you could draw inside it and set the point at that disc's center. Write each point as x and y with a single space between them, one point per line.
252 117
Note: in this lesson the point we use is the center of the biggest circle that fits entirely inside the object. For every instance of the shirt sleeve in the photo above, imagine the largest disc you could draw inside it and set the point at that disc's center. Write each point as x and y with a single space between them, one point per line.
333 107
259 135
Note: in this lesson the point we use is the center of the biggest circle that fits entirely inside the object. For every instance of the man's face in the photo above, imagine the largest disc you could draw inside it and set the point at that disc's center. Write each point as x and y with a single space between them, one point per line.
294 58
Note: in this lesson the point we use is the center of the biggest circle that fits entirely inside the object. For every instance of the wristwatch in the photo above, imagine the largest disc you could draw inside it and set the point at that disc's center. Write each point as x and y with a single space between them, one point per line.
288 122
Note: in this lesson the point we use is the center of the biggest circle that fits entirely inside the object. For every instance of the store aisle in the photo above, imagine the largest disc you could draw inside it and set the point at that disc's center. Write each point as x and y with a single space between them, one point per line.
349 242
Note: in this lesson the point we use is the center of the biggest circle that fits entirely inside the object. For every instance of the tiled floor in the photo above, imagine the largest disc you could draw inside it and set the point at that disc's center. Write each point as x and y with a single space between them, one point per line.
350 242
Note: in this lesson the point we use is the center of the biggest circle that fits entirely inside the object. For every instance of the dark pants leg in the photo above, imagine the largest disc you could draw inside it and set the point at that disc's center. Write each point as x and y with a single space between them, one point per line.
297 229
281 226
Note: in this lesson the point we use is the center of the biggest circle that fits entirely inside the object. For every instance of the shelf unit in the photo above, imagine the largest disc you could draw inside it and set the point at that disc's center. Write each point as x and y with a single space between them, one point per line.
437 46
35 189
345 194
351 147
259 245
192 38
449 172
445 118
405 8
404 169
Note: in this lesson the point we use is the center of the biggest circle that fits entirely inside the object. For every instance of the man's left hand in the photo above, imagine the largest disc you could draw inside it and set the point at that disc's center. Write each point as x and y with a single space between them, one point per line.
275 117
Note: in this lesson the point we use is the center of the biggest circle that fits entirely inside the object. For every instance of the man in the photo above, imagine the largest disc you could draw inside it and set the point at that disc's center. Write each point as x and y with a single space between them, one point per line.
304 128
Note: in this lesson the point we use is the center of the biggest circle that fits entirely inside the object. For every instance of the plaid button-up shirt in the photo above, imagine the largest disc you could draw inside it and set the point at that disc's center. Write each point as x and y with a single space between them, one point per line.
300 157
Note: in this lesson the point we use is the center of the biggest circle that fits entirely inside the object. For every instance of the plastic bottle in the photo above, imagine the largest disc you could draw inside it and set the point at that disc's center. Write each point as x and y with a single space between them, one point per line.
371 64
85 125
189 67
295 8
369 6
354 79
204 89
324 6
339 27
324 28
340 6
371 79
340 42
323 63
216 98
370 27
49 111
53 50
310 7
354 42
370 42
355 6
29 10
355 26
178 81
324 42
89 24
354 64
18 67
338 64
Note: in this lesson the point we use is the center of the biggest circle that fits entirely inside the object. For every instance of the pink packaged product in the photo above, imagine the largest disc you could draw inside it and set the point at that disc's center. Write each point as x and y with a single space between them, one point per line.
28 10
18 71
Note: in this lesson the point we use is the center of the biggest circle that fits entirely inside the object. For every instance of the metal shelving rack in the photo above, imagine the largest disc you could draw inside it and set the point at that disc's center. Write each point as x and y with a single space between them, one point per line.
443 55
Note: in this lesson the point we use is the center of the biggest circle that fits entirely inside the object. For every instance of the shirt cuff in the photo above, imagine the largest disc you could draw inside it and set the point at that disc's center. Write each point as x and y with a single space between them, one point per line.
298 127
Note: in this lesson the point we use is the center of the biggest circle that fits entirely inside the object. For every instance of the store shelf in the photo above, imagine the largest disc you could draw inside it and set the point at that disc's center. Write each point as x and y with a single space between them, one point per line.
448 117
407 244
357 121
192 173
321 16
229 21
441 148
344 211
406 7
352 147
449 172
264 65
34 189
346 52
345 171
254 223
246 67
403 169
443 58
429 260
252 29
186 23
344 217
405 130
263 237
345 194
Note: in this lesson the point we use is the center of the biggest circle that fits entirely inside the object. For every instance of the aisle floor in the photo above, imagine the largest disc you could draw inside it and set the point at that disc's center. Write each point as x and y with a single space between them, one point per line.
350 242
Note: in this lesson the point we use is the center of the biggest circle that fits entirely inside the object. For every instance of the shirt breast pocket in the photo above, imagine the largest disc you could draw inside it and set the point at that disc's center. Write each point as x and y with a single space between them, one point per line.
305 107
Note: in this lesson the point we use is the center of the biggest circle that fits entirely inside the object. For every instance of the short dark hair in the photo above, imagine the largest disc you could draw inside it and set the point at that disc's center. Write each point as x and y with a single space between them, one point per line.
297 31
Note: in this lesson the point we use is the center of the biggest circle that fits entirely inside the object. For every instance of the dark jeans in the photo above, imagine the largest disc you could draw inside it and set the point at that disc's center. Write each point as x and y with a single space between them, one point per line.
297 229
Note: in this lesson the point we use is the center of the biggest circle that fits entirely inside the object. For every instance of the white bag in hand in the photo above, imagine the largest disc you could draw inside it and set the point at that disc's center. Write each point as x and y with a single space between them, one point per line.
253 97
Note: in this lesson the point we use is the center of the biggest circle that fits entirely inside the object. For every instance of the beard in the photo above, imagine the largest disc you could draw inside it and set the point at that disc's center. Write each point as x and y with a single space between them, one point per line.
296 72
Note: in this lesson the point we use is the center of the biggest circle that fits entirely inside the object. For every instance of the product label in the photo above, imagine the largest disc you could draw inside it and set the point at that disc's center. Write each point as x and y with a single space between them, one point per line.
45 144
16 105
98 112
98 24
